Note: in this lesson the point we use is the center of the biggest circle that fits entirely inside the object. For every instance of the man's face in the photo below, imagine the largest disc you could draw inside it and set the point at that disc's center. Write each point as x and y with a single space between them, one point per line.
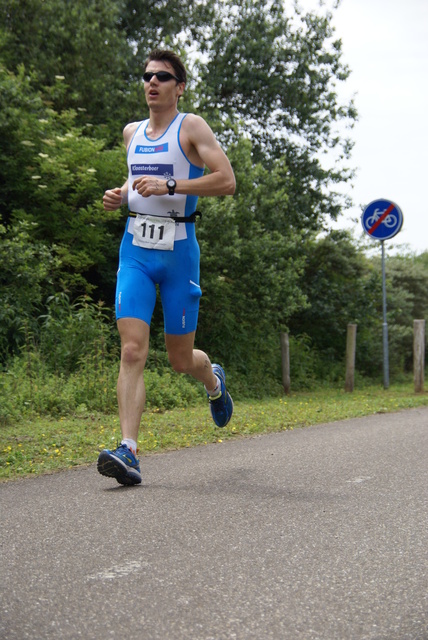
161 95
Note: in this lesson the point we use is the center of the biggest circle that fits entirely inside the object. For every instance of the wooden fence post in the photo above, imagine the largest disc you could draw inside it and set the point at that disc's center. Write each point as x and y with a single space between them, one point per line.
285 361
419 354
351 340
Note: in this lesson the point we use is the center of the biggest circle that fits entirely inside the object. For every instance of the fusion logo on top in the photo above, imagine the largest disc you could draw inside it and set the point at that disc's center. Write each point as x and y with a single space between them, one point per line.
160 148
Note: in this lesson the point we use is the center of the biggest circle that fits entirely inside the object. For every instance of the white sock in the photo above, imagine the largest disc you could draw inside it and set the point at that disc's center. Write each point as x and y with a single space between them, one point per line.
214 392
131 444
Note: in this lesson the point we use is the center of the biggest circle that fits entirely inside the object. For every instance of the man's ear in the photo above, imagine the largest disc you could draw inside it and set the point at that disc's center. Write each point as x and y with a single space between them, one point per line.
180 89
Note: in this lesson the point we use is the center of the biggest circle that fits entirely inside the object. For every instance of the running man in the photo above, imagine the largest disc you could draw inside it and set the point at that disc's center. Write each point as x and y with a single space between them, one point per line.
166 156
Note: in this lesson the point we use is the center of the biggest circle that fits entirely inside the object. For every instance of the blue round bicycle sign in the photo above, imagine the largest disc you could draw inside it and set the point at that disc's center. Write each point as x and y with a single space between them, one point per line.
382 219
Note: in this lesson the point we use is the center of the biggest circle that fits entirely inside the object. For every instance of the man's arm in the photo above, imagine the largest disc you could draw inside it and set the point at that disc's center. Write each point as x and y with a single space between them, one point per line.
115 198
201 147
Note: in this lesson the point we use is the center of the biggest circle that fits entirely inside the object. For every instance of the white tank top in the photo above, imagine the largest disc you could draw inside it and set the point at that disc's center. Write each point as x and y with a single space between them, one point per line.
163 158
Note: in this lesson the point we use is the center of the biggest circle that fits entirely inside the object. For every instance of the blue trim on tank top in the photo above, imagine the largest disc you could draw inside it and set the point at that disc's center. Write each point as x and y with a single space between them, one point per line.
132 139
165 132
199 171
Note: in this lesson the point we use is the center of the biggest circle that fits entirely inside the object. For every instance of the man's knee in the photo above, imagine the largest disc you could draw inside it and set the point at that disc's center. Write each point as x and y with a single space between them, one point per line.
180 352
133 352
180 362
134 337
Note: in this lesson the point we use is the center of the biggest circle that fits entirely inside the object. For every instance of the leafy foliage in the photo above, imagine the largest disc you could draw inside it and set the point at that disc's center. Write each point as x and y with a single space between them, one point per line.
259 266
52 171
344 286
27 271
341 287
266 80
271 77
79 41
407 300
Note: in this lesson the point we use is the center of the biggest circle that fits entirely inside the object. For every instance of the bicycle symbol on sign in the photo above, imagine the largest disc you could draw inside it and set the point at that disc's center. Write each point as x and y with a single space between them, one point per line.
390 220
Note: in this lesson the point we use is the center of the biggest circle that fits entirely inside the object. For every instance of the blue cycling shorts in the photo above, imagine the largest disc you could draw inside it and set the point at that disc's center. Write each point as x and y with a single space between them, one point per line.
176 273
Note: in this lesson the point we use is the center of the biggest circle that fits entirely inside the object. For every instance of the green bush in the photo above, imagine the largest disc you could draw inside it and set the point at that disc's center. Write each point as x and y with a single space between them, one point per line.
71 334
27 269
29 387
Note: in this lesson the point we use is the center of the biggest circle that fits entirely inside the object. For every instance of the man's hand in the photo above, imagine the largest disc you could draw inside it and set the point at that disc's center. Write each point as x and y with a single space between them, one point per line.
112 199
149 186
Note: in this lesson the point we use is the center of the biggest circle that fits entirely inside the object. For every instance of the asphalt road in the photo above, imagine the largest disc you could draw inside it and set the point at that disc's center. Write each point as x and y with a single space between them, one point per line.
317 533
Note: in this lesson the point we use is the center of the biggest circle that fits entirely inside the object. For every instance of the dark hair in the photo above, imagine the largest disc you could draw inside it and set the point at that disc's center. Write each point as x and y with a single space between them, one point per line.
164 55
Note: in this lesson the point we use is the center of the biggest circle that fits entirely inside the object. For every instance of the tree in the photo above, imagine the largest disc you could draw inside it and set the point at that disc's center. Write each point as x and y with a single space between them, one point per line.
250 268
80 41
272 77
265 80
341 287
52 172
406 288
27 271
98 47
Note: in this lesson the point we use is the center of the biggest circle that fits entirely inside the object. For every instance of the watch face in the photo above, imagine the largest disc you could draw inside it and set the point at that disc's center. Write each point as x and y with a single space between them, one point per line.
171 184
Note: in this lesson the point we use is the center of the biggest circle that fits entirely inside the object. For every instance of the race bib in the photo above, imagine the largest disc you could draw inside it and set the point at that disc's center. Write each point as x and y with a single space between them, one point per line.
152 232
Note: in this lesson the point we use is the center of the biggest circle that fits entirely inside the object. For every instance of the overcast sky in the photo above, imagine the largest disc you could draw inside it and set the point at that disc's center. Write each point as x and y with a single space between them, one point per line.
385 44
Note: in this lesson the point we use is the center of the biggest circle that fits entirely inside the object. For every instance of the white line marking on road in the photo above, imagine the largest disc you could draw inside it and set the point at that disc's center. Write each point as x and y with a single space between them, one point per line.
118 571
359 480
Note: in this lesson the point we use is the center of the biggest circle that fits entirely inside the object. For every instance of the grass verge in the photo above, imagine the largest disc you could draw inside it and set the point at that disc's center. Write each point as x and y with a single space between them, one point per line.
43 445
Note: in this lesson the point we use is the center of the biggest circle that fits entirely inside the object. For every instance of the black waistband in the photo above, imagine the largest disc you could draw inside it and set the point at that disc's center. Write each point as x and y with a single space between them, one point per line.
191 218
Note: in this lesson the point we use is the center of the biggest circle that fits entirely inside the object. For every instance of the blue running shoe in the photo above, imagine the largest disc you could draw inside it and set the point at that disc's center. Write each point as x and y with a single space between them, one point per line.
120 464
221 406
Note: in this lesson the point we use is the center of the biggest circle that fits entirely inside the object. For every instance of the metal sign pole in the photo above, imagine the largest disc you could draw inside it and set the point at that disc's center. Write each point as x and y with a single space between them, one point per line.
385 324
382 219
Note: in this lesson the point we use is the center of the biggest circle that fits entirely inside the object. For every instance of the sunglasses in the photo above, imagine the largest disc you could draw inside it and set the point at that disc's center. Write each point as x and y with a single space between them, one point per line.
162 76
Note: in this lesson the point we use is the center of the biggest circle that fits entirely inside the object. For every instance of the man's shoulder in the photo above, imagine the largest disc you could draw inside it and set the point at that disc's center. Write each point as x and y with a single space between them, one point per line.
194 125
131 126
190 119
129 130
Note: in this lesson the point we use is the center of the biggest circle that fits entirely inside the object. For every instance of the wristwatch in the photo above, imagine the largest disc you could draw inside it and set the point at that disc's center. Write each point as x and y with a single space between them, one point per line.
171 184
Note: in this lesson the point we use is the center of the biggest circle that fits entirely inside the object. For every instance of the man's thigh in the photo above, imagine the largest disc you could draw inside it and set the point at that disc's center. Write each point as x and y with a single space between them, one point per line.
135 294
